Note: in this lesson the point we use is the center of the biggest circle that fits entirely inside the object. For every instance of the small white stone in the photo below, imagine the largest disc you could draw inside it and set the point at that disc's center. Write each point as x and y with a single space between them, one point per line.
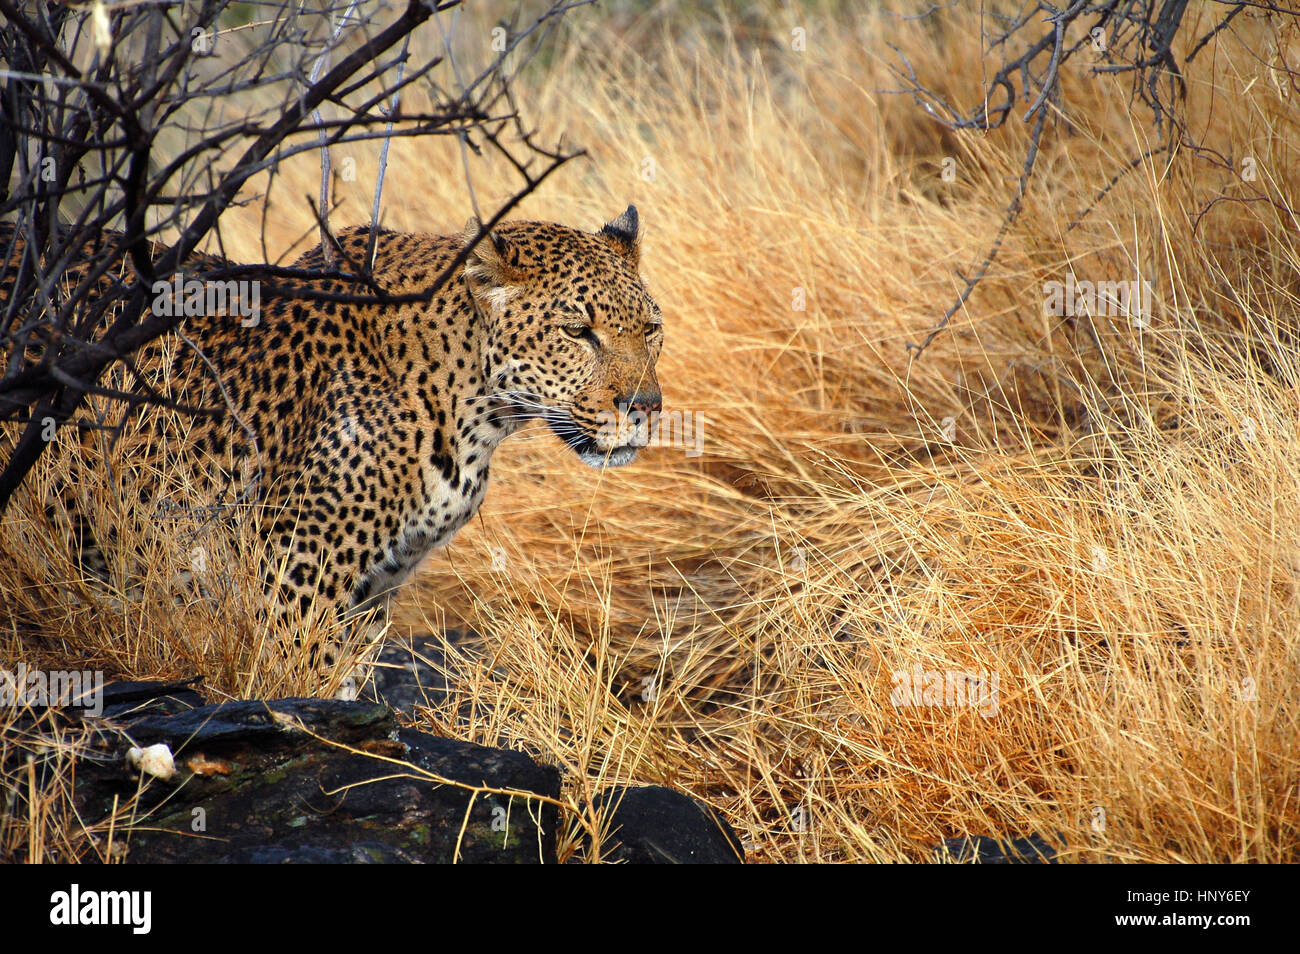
347 691
156 760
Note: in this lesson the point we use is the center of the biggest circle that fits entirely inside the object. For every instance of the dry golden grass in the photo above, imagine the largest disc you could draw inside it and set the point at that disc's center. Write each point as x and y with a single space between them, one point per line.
1104 530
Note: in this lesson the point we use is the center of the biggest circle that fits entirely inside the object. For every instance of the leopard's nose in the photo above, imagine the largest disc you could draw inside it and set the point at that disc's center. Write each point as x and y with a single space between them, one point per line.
646 402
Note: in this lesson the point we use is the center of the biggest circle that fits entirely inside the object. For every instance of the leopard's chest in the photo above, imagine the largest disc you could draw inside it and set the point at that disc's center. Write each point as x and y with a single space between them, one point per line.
428 522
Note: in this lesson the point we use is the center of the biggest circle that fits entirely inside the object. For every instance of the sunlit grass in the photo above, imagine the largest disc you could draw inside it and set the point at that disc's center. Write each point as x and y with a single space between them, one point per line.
1098 512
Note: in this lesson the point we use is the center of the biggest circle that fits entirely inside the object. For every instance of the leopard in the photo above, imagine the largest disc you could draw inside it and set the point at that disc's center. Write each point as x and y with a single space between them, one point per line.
362 416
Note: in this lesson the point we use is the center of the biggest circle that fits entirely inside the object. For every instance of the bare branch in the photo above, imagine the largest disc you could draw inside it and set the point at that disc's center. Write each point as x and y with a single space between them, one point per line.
104 152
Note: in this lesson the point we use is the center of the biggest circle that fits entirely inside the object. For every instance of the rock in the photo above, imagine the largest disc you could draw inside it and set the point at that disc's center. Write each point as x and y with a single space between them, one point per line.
981 849
320 780
363 853
408 672
156 761
657 825
325 781
128 699
281 723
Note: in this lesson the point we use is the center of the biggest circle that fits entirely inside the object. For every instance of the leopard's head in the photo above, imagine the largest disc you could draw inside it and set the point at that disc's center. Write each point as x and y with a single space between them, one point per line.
573 334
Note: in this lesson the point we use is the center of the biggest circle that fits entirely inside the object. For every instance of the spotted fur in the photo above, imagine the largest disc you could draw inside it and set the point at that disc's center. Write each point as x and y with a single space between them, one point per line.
368 428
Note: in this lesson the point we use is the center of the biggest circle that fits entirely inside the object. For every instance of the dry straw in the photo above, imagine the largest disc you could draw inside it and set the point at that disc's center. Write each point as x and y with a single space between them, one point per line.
1095 515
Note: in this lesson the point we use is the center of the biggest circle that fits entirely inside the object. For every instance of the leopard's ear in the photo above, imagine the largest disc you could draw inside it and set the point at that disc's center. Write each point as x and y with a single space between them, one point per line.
624 233
491 269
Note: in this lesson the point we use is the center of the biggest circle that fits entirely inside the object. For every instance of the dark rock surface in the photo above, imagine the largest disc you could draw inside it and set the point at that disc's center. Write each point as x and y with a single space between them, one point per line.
408 672
981 849
657 825
123 700
320 780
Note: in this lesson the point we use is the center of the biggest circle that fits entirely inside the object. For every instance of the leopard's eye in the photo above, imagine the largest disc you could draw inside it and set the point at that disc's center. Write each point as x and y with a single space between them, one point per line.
576 331
654 328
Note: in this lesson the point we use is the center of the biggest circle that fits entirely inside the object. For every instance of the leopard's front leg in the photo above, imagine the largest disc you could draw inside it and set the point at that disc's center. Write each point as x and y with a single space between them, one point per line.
313 620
